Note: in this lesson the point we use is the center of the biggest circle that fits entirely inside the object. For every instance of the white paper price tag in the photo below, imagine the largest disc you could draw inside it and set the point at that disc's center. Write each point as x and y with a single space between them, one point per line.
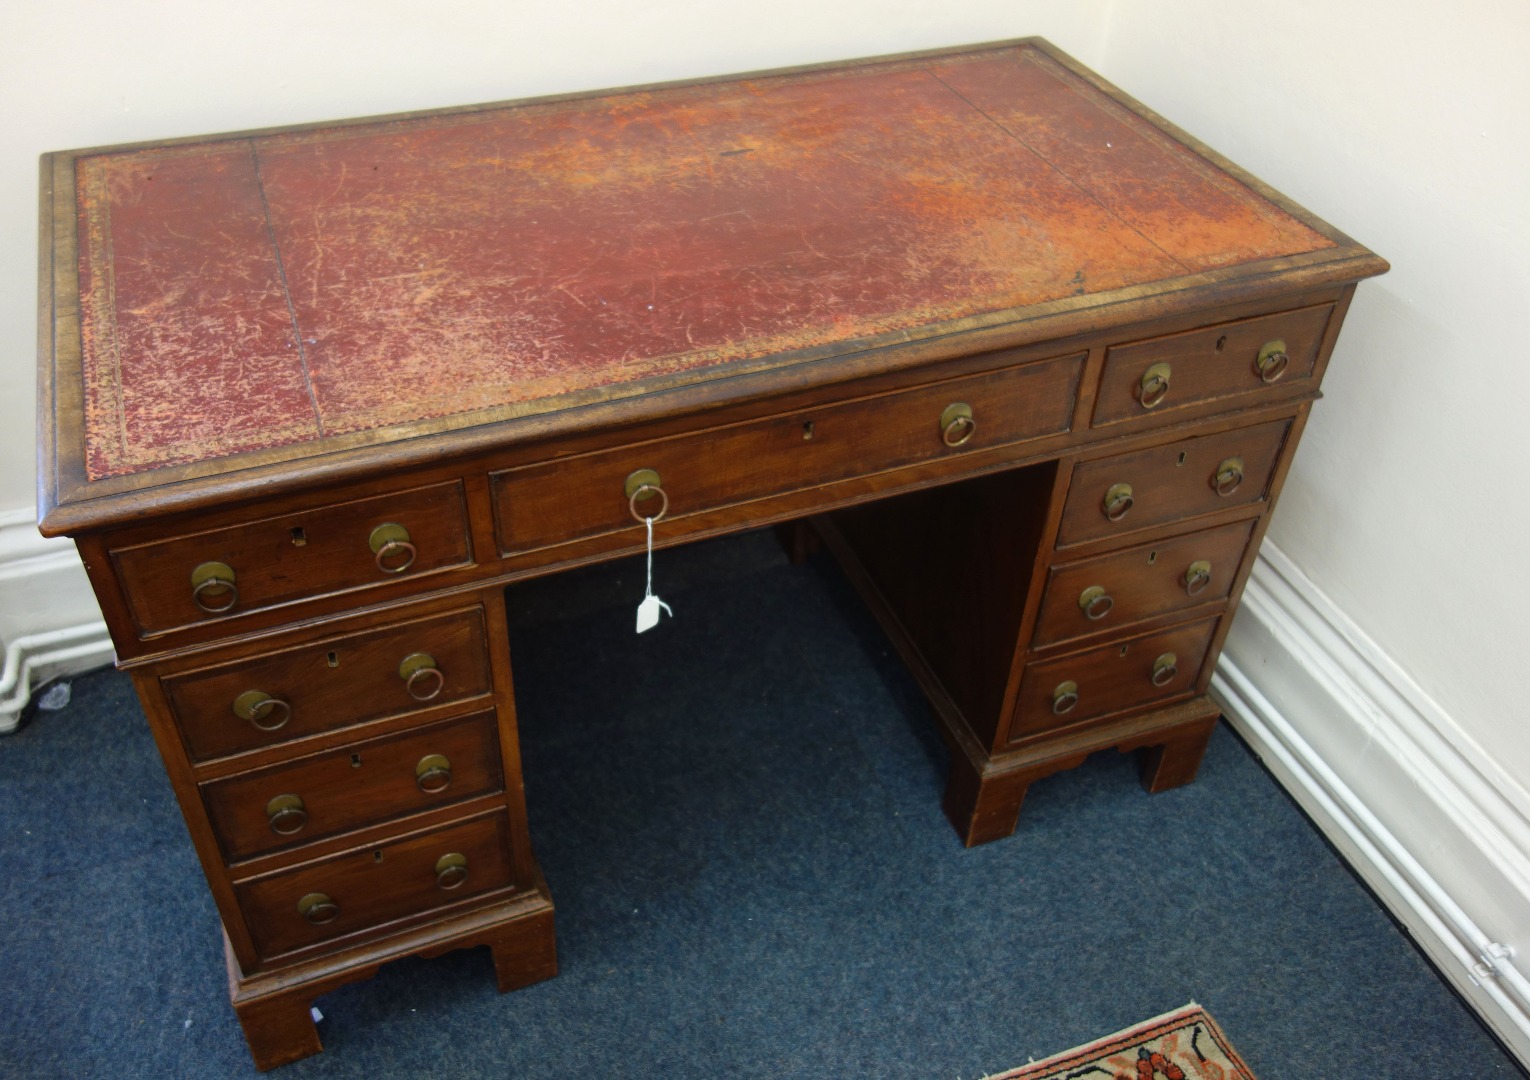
648 609
648 613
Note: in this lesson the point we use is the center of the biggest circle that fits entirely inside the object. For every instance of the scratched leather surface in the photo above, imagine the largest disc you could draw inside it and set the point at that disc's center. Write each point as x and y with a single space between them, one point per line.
260 292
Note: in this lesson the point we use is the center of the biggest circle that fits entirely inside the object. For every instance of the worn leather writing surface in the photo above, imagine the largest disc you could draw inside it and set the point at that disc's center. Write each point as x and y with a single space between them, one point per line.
256 292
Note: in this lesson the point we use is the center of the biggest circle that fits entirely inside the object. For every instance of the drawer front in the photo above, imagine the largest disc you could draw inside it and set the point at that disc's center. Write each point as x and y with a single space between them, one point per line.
361 784
278 560
1273 355
364 889
1118 495
1093 596
540 505
1109 679
329 683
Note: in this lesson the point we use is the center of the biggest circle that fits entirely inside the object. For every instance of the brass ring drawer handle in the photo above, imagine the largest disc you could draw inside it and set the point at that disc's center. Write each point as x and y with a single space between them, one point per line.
210 580
433 774
1118 500
1155 385
1095 603
1197 577
389 541
1064 697
1272 361
1165 668
422 679
957 423
286 815
318 908
451 870
642 485
258 707
1228 476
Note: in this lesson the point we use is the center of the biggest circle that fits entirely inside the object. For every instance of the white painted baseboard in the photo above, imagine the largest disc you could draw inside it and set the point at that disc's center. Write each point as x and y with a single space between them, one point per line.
50 624
1428 820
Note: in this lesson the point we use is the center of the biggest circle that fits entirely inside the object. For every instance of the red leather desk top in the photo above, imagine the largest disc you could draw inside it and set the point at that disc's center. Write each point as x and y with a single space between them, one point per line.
246 293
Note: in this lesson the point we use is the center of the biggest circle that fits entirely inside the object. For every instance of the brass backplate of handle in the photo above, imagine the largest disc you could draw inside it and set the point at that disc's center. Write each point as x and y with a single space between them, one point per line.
418 670
389 532
1272 360
1118 500
957 424
1095 603
213 578
210 571
413 663
642 485
1197 576
287 815
451 870
1155 385
1165 668
643 478
433 773
259 707
391 547
1064 697
1228 477
317 908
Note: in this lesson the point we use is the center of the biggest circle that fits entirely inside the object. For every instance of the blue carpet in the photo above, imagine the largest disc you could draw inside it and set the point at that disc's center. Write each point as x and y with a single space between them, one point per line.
739 818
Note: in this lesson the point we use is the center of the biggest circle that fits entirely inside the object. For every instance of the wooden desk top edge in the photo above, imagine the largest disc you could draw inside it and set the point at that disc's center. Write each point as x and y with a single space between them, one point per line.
69 503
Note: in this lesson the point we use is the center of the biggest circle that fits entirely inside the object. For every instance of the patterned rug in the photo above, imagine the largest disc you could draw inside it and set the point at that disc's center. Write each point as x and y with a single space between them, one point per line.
1182 1045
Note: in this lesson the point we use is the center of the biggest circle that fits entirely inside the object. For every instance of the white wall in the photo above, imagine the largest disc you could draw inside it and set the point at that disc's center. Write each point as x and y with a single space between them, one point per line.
1376 663
1407 126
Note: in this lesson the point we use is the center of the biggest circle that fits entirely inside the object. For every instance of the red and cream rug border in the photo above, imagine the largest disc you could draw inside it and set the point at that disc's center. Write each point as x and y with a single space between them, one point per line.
1185 1044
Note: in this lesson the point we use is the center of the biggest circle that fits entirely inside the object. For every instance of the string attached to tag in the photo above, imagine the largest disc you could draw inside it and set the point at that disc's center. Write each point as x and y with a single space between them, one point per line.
648 609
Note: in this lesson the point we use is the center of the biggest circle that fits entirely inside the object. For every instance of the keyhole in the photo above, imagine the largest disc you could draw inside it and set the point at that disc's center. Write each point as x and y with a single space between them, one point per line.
1181 460
1221 343
807 430
355 761
1123 650
333 659
377 856
1152 557
299 539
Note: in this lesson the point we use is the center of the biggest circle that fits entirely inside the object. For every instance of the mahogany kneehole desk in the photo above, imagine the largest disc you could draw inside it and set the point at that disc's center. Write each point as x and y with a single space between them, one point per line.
1032 361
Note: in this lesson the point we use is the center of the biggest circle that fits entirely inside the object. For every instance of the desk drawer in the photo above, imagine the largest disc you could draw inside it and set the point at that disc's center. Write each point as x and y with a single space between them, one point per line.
277 560
1273 355
540 505
1118 495
1109 679
1102 594
329 683
360 784
361 890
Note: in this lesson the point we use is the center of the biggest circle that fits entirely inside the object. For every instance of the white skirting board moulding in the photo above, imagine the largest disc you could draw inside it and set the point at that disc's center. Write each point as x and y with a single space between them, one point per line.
1436 828
49 623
